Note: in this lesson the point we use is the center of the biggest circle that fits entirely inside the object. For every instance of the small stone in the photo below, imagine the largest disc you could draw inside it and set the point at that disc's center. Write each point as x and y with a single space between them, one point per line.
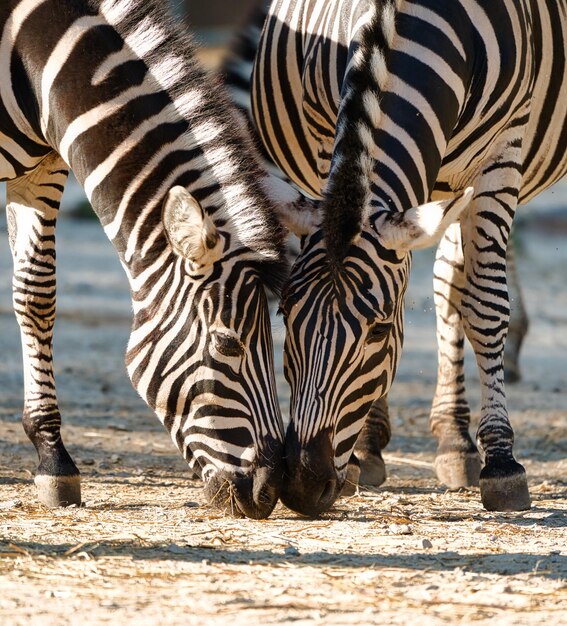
10 504
426 544
103 465
118 426
192 505
400 529
87 461
205 562
175 549
291 551
115 458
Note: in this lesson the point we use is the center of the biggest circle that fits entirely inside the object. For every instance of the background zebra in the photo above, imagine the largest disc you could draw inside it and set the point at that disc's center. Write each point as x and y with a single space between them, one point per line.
366 466
112 90
376 107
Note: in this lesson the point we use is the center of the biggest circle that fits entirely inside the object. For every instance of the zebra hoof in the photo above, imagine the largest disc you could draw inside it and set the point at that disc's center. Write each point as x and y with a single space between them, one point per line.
372 469
352 478
504 487
458 469
58 491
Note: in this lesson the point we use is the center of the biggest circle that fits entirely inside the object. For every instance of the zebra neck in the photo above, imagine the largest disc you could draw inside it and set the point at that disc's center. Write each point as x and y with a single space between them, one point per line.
122 98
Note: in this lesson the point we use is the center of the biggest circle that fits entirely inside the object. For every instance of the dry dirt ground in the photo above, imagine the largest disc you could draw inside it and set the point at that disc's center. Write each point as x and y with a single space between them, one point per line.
146 549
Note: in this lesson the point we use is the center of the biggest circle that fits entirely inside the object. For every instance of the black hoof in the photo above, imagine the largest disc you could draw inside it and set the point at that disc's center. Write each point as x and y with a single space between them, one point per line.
458 469
504 487
58 491
372 469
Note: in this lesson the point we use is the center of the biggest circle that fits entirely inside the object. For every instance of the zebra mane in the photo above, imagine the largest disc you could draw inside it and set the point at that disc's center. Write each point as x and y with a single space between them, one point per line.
347 194
229 157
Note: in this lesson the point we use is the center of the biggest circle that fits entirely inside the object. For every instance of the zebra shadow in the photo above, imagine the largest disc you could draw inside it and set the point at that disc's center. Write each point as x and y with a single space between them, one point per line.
550 566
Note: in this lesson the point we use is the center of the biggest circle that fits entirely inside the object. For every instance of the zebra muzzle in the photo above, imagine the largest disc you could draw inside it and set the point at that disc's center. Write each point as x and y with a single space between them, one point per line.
311 484
252 494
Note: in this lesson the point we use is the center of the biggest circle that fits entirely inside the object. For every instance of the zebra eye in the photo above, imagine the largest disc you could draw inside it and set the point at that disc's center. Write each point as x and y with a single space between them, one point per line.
228 345
379 331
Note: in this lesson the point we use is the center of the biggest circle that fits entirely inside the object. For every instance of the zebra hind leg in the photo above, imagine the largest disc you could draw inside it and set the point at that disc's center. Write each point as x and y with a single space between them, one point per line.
33 203
518 327
457 461
366 466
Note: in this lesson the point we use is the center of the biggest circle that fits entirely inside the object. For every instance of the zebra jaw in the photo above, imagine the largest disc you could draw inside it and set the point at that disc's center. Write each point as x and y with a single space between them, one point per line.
190 231
422 226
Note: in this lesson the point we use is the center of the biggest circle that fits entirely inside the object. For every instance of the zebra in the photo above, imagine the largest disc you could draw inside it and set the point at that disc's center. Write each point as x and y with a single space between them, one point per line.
112 90
413 124
366 465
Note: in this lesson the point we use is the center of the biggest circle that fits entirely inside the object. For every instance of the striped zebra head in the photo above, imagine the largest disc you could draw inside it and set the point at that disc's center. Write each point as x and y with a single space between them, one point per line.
201 356
344 320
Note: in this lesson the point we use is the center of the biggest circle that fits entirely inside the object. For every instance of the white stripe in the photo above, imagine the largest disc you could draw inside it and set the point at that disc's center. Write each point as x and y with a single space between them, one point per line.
145 39
9 35
91 118
58 58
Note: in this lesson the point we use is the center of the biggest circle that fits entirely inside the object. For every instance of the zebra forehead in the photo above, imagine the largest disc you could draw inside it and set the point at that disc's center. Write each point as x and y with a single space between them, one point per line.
343 295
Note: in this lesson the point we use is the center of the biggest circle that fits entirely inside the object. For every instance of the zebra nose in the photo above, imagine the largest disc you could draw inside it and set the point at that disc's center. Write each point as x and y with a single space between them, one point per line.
311 484
252 494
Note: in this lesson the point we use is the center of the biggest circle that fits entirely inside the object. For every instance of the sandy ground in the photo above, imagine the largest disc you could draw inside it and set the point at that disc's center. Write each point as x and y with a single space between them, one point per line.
145 549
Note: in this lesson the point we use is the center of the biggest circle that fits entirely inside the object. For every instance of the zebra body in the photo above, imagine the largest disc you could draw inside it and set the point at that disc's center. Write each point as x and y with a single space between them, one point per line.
113 91
376 107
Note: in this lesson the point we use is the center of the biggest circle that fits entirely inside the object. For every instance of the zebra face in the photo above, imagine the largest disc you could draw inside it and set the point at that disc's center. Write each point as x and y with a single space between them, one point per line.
344 322
233 431
343 343
201 355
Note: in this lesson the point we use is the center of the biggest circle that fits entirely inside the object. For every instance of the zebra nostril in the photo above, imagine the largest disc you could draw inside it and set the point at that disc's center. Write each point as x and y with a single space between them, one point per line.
328 493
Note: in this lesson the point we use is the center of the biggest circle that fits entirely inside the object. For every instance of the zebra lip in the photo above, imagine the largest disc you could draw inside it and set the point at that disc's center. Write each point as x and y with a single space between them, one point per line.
252 495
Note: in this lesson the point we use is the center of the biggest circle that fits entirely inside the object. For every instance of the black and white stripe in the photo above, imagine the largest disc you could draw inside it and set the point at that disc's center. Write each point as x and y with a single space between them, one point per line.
113 91
404 118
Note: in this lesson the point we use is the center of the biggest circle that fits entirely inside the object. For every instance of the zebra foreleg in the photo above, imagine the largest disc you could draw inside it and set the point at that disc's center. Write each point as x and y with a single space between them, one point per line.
366 466
457 462
33 203
485 311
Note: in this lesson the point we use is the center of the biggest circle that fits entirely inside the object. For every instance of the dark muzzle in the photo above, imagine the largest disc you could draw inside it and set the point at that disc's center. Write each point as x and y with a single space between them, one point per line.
311 485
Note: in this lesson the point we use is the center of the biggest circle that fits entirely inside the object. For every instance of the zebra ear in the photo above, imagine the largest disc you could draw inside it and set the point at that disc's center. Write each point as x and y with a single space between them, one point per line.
296 212
421 226
190 230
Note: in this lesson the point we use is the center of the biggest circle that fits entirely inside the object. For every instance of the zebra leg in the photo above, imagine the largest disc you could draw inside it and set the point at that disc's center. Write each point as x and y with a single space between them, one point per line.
485 312
457 462
33 202
366 466
519 322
